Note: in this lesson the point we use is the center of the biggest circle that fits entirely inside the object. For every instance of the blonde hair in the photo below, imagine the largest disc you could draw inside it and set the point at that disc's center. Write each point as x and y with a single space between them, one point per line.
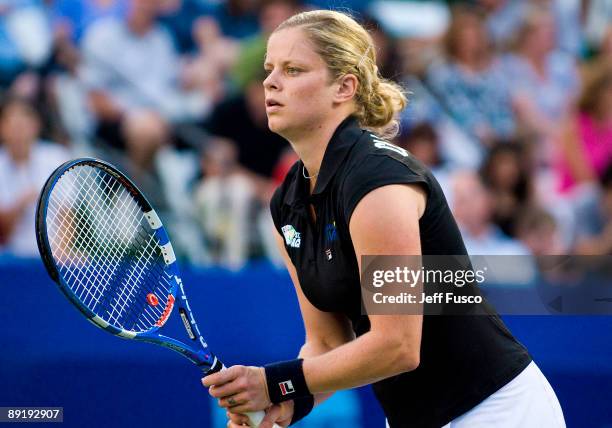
347 48
532 20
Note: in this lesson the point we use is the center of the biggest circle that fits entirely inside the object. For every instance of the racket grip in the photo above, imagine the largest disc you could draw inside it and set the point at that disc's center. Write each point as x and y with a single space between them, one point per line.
255 418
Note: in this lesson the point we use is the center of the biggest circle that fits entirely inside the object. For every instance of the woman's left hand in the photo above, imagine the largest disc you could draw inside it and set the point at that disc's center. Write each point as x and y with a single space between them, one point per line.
276 415
240 389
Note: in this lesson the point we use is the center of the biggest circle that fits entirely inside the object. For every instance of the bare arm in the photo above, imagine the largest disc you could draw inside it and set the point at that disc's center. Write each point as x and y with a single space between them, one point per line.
392 346
103 106
573 154
9 217
333 359
324 331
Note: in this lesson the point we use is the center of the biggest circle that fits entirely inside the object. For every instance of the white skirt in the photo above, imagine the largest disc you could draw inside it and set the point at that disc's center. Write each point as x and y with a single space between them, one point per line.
527 401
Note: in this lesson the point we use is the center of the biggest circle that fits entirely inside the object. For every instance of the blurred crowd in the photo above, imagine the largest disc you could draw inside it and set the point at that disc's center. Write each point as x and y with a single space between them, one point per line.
510 106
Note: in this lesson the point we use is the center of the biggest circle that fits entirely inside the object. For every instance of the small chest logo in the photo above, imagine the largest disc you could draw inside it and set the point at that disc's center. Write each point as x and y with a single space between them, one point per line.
331 233
292 236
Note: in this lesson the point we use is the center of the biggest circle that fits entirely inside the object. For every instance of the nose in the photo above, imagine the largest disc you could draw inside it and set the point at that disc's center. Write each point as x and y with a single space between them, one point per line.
271 82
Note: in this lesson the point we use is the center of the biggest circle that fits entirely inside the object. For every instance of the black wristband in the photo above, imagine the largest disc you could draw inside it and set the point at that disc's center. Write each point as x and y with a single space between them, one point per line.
301 408
286 381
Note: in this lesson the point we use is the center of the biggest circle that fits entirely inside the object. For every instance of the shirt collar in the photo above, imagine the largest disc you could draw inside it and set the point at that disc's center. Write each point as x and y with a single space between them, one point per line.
341 142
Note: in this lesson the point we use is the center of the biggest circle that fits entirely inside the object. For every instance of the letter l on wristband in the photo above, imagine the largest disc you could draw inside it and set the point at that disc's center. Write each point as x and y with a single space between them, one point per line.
286 381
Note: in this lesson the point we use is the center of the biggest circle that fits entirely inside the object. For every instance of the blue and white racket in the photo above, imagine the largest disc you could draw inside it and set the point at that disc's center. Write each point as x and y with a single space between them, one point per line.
107 250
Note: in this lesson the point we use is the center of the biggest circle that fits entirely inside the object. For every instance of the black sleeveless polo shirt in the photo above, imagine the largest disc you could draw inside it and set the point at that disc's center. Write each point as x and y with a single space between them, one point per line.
464 358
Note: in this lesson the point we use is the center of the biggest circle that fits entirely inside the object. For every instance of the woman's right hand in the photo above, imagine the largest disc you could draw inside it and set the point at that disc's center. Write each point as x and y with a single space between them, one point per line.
279 414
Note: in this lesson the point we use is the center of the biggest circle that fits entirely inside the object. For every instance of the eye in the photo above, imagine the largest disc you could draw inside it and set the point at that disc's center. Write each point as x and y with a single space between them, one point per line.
292 71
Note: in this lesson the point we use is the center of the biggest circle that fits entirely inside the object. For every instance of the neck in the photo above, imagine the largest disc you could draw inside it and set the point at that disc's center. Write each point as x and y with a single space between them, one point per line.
310 146
471 62
20 152
139 25
536 57
141 159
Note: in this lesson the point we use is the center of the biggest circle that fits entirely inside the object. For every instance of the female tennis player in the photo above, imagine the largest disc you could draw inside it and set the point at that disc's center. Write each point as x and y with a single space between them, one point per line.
353 194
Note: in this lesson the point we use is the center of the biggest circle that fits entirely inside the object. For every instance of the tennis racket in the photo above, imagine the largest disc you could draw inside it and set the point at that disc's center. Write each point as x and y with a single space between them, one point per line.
107 250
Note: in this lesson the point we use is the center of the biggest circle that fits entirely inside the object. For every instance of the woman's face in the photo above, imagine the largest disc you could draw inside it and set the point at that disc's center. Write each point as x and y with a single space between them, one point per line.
542 36
506 171
299 92
19 129
472 39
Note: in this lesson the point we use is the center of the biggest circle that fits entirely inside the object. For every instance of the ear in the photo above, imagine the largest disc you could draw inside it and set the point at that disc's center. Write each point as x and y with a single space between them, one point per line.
346 88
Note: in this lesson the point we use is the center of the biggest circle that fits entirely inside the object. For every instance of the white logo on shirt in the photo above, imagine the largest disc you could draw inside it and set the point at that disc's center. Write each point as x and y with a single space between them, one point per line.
386 145
292 236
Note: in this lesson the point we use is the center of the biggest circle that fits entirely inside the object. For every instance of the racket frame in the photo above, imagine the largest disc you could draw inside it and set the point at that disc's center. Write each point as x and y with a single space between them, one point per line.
199 354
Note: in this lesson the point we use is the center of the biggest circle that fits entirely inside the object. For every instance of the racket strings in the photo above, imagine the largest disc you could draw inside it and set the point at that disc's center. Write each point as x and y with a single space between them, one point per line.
79 228
69 235
105 249
126 299
118 306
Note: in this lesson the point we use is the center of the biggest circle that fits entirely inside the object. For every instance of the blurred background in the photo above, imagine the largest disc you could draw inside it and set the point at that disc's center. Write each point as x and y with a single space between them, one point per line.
510 106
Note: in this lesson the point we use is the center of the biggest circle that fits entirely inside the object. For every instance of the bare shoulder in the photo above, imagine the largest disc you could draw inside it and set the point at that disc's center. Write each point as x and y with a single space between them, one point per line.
392 200
386 220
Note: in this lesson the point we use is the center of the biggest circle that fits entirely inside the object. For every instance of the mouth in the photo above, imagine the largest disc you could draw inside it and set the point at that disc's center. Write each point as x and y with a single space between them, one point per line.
272 104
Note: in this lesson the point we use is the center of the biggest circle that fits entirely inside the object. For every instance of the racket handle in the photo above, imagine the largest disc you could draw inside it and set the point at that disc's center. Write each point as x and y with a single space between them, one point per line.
255 418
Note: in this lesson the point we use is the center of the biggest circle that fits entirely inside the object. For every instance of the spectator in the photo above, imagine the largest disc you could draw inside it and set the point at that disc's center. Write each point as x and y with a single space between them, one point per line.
141 92
224 204
258 148
602 58
180 17
67 93
25 164
586 144
73 18
598 19
252 50
164 176
504 19
387 54
248 189
237 18
456 147
472 206
25 40
206 70
538 231
146 135
601 243
131 64
422 141
468 81
543 80
70 21
506 173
